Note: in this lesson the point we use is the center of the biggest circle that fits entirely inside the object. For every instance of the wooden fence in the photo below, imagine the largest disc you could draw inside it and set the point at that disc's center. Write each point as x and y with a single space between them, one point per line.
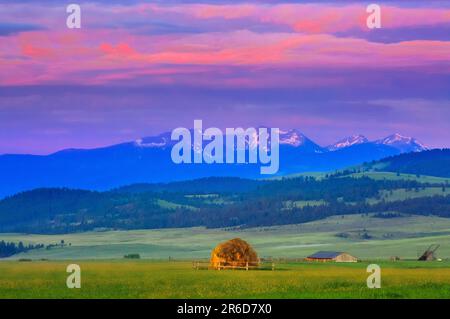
203 265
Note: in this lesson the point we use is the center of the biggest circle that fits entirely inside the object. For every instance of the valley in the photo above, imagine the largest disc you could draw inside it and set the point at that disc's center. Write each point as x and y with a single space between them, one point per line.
405 237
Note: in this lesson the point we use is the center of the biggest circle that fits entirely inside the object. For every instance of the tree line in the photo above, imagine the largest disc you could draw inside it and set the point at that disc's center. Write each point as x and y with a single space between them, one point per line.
8 249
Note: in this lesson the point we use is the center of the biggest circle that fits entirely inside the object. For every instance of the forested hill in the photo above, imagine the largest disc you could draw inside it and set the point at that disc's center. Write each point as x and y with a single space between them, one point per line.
432 163
242 203
197 186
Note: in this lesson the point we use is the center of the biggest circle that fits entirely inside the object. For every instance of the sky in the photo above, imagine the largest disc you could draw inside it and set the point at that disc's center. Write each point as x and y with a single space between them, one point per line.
140 68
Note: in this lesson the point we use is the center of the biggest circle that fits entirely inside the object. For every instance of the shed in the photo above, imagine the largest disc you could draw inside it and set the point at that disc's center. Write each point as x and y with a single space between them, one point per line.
336 256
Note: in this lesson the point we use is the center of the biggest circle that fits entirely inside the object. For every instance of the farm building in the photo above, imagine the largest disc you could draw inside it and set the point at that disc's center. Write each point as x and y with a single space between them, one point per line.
429 254
336 256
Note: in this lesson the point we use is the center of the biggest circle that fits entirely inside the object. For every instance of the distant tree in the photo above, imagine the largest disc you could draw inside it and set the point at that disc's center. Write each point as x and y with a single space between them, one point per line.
132 256
8 249
366 235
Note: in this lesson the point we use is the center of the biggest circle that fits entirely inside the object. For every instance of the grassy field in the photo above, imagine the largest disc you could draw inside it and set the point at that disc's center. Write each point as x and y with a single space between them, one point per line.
405 237
169 205
150 279
375 175
402 194
105 274
395 176
388 196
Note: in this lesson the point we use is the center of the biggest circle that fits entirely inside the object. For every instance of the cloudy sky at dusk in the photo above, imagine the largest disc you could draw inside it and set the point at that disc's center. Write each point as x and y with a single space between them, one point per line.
139 68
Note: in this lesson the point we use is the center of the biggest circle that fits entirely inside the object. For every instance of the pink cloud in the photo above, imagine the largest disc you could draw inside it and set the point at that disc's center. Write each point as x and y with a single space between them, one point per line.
121 50
244 48
37 52
59 55
311 18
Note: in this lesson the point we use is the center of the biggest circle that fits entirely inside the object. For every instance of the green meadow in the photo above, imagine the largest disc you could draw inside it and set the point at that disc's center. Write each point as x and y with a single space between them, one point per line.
374 175
165 270
164 279
364 236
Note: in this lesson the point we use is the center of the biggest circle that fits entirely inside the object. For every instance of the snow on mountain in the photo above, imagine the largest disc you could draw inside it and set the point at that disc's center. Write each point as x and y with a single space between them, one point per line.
397 141
140 142
402 143
159 141
296 139
348 141
287 137
292 137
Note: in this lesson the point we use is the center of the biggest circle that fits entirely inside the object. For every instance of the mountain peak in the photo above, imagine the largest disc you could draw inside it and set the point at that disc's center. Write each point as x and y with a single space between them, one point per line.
403 143
348 141
396 137
292 137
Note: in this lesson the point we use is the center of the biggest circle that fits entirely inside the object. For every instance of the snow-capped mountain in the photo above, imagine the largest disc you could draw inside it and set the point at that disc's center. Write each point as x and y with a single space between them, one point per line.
402 143
149 160
347 142
293 138
399 142
296 139
159 141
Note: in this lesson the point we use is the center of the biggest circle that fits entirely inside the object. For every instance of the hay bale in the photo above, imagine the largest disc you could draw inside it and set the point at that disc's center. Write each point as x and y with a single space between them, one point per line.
234 253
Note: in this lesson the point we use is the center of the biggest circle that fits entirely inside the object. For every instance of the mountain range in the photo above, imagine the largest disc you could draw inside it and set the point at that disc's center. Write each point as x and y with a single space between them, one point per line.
297 139
148 160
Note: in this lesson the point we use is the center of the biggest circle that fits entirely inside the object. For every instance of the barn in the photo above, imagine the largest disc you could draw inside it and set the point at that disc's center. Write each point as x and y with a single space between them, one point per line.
336 256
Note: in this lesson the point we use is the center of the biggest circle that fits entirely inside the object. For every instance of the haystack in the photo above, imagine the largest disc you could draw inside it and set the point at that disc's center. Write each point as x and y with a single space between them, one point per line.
234 253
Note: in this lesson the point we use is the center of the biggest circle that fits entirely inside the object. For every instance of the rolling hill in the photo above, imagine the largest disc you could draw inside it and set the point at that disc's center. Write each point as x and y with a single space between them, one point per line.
431 163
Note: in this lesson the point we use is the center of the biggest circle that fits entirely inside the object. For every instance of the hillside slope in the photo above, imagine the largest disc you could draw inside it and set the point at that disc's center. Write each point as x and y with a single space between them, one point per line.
247 204
432 163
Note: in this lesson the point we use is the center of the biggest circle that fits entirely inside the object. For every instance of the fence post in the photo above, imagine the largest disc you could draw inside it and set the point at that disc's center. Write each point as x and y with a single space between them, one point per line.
246 266
273 266
219 266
